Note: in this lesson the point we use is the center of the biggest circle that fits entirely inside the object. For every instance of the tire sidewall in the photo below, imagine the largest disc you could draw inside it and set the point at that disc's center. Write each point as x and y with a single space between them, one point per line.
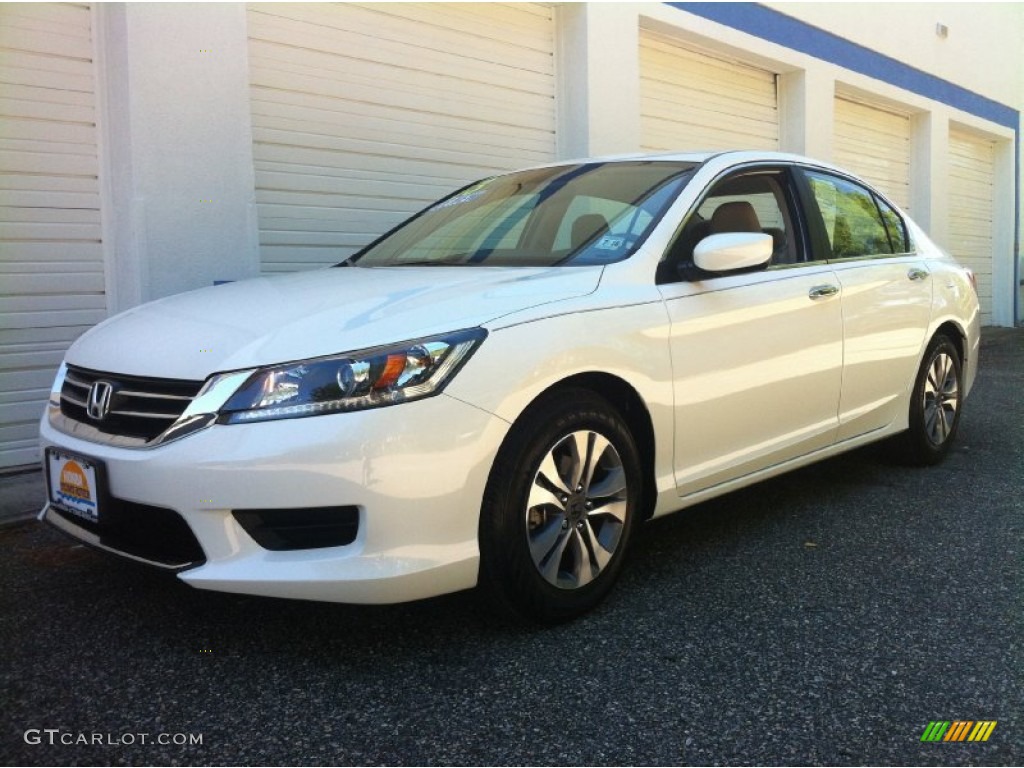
505 557
926 451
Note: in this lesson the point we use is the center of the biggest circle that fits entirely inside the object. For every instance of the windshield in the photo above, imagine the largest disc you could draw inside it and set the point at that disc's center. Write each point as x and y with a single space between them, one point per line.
574 215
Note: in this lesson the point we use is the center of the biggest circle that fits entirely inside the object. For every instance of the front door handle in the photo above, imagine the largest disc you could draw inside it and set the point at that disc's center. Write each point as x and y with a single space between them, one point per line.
916 273
823 291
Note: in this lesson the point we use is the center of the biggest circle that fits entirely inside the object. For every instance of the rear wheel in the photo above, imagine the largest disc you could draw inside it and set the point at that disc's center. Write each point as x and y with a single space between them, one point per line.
560 507
934 406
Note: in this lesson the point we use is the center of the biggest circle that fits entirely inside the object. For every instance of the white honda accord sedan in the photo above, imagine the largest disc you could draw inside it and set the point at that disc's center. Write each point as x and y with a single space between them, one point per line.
499 390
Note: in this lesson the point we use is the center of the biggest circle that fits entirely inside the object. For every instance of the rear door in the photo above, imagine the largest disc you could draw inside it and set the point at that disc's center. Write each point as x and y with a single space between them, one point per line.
886 298
756 356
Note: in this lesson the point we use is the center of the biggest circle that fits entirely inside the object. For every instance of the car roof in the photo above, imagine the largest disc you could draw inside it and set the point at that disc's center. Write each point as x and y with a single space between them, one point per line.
721 159
731 156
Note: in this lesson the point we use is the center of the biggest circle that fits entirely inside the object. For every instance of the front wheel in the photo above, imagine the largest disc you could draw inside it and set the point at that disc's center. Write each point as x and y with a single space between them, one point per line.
560 507
934 406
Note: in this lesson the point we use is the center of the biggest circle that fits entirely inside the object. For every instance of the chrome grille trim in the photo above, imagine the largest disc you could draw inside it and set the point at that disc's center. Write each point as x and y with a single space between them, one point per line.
198 412
142 415
153 395
142 408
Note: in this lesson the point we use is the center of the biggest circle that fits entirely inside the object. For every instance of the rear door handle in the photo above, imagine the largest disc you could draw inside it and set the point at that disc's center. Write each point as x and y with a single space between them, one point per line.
823 291
916 273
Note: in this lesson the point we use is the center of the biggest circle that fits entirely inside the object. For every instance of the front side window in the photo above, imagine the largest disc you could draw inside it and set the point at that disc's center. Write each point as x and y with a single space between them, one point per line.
595 213
753 201
857 223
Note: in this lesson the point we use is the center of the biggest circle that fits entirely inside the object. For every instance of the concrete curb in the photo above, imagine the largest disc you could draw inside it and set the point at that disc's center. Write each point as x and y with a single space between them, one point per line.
22 495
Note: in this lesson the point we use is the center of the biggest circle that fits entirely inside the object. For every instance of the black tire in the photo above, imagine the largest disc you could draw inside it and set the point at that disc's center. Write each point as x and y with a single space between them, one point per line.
547 551
935 405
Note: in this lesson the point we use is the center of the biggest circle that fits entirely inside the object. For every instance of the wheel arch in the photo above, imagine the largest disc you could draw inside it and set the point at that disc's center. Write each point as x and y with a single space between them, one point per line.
627 402
955 334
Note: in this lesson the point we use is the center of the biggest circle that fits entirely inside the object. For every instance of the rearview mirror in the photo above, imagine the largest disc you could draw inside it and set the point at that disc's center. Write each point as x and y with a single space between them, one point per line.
733 250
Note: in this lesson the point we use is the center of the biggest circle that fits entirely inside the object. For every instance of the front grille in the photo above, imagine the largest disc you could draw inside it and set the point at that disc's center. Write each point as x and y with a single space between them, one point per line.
140 407
157 535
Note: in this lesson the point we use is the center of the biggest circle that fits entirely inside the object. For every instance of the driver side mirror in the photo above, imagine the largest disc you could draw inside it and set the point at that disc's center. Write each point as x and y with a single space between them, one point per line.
731 251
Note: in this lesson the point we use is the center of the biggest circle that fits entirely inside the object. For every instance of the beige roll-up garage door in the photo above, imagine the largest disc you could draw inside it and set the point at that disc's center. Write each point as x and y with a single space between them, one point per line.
972 161
692 100
51 259
362 114
874 143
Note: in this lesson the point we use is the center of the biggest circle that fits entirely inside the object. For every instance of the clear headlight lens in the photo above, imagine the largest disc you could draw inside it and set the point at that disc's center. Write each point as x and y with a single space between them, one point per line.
369 378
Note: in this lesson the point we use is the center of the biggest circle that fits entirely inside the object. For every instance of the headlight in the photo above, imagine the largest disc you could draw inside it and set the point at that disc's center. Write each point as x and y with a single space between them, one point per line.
370 378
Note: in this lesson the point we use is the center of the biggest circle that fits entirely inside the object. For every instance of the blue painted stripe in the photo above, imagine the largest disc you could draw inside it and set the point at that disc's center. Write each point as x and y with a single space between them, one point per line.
769 24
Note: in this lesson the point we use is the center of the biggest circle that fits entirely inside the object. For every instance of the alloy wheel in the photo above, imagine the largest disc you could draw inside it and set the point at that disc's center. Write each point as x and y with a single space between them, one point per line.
576 509
941 398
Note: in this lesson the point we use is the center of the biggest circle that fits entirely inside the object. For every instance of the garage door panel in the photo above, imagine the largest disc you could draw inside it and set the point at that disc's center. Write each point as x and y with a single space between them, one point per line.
17 34
391 86
35 230
363 114
54 252
690 99
42 199
45 162
356 232
387 163
36 78
477 111
295 257
369 121
410 134
699 76
33 130
336 49
417 91
33 64
389 191
47 216
523 23
658 96
37 284
436 37
712 114
875 144
51 250
68 19
61 95
971 210
42 110
485 157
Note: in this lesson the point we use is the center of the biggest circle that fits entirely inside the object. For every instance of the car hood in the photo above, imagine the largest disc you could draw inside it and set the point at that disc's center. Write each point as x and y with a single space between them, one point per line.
308 314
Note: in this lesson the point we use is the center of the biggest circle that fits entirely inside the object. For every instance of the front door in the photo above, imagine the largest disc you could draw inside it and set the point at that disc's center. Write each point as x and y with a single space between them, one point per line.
757 357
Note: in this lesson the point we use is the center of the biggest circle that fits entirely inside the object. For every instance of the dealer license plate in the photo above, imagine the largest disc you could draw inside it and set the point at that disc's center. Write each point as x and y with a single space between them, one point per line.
74 483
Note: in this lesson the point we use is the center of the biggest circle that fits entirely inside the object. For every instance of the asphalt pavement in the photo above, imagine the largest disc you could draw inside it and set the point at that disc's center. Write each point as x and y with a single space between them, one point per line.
825 617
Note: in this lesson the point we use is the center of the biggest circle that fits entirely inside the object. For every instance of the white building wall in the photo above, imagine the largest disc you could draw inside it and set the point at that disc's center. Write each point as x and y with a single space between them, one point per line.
979 51
177 145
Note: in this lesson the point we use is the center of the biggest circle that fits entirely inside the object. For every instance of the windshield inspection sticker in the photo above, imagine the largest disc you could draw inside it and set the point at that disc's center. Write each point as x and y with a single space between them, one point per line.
608 243
465 197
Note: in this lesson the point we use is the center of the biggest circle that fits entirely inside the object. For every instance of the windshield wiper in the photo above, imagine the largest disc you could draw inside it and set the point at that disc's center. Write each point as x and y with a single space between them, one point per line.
458 260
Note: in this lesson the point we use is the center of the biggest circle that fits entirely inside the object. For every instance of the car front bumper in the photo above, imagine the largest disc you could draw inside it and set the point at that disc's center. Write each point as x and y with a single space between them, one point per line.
416 472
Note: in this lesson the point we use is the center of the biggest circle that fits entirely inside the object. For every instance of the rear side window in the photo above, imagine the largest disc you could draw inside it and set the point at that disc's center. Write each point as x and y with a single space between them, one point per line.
856 221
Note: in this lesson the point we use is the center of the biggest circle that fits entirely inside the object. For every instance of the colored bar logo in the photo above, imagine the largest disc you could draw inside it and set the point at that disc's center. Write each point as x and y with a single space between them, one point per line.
958 730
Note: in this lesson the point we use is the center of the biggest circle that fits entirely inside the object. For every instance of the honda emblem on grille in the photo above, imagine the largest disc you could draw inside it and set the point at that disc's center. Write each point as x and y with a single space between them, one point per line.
98 404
